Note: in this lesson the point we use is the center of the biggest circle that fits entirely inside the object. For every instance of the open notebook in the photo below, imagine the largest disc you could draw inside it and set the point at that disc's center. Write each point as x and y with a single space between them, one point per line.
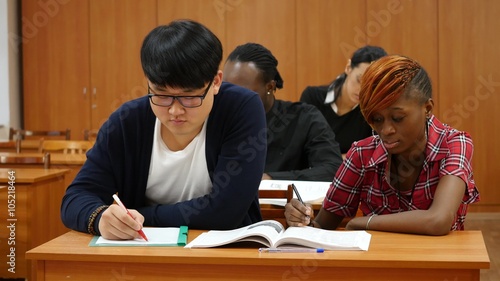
157 236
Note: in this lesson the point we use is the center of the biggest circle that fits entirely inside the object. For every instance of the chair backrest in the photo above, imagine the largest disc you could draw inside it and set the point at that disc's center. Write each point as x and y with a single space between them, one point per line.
90 135
13 161
52 134
65 146
10 146
12 133
274 212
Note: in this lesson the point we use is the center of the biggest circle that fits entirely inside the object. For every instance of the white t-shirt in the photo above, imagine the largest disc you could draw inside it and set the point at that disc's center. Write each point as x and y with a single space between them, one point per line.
176 176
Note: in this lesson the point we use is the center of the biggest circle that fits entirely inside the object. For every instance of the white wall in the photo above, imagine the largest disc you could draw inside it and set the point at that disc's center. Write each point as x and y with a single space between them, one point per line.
10 79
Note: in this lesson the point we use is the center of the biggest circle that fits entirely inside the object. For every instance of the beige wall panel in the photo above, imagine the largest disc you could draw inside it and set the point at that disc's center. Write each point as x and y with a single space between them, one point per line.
55 66
209 13
115 40
272 24
328 32
470 85
409 28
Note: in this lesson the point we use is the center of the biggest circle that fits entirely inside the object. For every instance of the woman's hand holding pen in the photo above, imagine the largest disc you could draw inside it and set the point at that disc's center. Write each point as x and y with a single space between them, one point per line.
298 214
116 224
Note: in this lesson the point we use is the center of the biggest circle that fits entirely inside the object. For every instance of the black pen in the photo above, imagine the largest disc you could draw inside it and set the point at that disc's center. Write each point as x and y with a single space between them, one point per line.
298 195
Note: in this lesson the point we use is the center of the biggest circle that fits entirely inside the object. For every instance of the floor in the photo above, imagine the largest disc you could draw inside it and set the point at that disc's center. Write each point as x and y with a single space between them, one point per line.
489 224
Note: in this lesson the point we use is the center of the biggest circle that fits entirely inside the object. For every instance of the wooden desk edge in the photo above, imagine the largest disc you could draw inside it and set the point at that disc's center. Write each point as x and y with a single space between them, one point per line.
43 174
55 158
241 256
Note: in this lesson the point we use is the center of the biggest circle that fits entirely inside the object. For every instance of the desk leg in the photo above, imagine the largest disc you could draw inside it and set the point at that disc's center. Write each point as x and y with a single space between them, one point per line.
37 271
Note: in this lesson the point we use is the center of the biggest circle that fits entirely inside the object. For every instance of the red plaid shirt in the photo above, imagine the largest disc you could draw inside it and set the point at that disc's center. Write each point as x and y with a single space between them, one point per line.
361 181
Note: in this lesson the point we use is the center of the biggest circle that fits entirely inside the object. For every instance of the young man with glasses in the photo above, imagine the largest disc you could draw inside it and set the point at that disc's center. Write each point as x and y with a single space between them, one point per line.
185 154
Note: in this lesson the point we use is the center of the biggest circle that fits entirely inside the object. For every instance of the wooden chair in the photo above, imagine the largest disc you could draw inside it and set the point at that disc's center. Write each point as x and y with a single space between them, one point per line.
12 133
23 134
274 212
25 161
29 146
90 135
10 146
65 146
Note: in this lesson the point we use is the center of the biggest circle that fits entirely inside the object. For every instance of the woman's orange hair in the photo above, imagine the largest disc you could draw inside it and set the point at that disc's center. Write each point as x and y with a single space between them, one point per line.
383 83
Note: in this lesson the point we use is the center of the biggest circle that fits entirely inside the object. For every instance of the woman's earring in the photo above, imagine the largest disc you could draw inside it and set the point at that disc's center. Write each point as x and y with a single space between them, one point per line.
269 92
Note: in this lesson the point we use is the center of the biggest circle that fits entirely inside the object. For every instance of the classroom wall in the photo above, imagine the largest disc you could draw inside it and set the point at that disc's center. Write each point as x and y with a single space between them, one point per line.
455 40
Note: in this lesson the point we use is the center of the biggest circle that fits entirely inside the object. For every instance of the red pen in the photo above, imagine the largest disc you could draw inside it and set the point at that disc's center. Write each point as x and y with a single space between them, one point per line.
119 202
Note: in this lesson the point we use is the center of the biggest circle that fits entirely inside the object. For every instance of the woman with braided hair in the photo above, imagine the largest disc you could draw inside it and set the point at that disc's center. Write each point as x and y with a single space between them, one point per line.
339 101
413 176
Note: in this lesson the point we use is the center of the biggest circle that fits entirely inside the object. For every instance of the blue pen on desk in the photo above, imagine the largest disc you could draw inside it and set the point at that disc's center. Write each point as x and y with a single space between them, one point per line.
291 250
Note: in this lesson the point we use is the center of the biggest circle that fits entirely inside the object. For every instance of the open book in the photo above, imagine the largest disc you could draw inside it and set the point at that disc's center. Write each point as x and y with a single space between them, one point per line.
272 234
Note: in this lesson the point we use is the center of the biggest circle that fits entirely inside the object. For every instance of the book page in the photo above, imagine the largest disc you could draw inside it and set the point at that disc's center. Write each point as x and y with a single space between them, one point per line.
326 239
310 191
261 232
157 236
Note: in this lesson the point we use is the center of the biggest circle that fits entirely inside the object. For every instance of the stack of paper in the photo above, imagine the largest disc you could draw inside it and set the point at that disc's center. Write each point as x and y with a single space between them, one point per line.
310 191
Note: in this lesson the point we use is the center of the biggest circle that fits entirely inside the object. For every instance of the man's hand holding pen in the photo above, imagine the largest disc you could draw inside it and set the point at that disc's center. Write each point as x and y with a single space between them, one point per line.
116 224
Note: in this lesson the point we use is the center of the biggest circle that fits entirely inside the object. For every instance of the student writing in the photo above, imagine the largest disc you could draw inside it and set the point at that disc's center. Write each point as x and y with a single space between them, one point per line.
414 176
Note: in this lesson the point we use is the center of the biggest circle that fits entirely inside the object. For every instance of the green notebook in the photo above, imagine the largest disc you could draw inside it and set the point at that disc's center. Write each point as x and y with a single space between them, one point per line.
157 236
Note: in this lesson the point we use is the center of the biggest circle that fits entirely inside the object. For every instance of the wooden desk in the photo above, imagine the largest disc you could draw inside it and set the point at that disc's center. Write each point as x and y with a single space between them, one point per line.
457 256
8 146
55 158
26 146
31 217
312 192
30 145
72 162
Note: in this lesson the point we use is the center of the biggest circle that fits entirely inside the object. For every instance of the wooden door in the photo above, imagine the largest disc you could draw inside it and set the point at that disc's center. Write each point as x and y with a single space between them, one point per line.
235 22
407 28
56 65
328 33
212 14
272 24
469 85
117 29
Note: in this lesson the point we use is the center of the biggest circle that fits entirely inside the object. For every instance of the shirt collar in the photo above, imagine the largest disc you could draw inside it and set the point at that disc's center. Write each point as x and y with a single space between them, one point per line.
330 96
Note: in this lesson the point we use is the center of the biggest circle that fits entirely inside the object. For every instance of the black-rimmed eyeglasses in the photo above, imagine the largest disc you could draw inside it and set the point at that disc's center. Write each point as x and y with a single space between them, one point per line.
185 101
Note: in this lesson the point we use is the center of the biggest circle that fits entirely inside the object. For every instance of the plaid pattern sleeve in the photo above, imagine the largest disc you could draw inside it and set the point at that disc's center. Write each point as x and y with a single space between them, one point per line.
458 162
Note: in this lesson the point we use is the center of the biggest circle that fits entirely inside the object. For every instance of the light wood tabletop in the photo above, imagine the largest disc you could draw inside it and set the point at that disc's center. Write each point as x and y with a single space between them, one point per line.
25 145
30 175
391 256
55 158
